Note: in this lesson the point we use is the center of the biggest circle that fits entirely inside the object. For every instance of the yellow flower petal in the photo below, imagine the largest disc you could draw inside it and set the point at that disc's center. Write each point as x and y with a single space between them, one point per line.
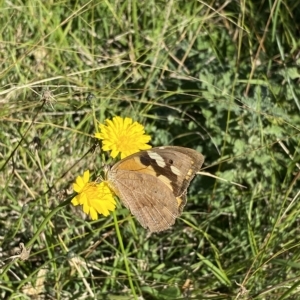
86 207
86 176
76 188
75 201
94 214
79 182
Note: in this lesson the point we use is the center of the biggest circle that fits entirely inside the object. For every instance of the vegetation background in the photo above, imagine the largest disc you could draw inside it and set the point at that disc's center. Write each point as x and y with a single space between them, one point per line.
221 77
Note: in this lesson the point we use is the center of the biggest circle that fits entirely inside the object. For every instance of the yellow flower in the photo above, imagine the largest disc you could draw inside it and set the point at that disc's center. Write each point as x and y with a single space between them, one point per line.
95 198
122 135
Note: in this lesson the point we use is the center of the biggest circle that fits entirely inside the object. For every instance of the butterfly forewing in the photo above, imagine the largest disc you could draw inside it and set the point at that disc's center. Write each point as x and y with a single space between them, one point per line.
179 165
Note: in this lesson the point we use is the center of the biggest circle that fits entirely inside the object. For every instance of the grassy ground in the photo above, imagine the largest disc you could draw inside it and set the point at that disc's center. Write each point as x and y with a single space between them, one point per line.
219 77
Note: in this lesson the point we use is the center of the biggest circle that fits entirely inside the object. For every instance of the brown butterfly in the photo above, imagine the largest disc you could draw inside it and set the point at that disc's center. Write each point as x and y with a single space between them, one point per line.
152 184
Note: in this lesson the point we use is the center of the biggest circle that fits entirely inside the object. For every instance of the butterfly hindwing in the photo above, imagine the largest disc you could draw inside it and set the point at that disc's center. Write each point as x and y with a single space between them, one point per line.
148 205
